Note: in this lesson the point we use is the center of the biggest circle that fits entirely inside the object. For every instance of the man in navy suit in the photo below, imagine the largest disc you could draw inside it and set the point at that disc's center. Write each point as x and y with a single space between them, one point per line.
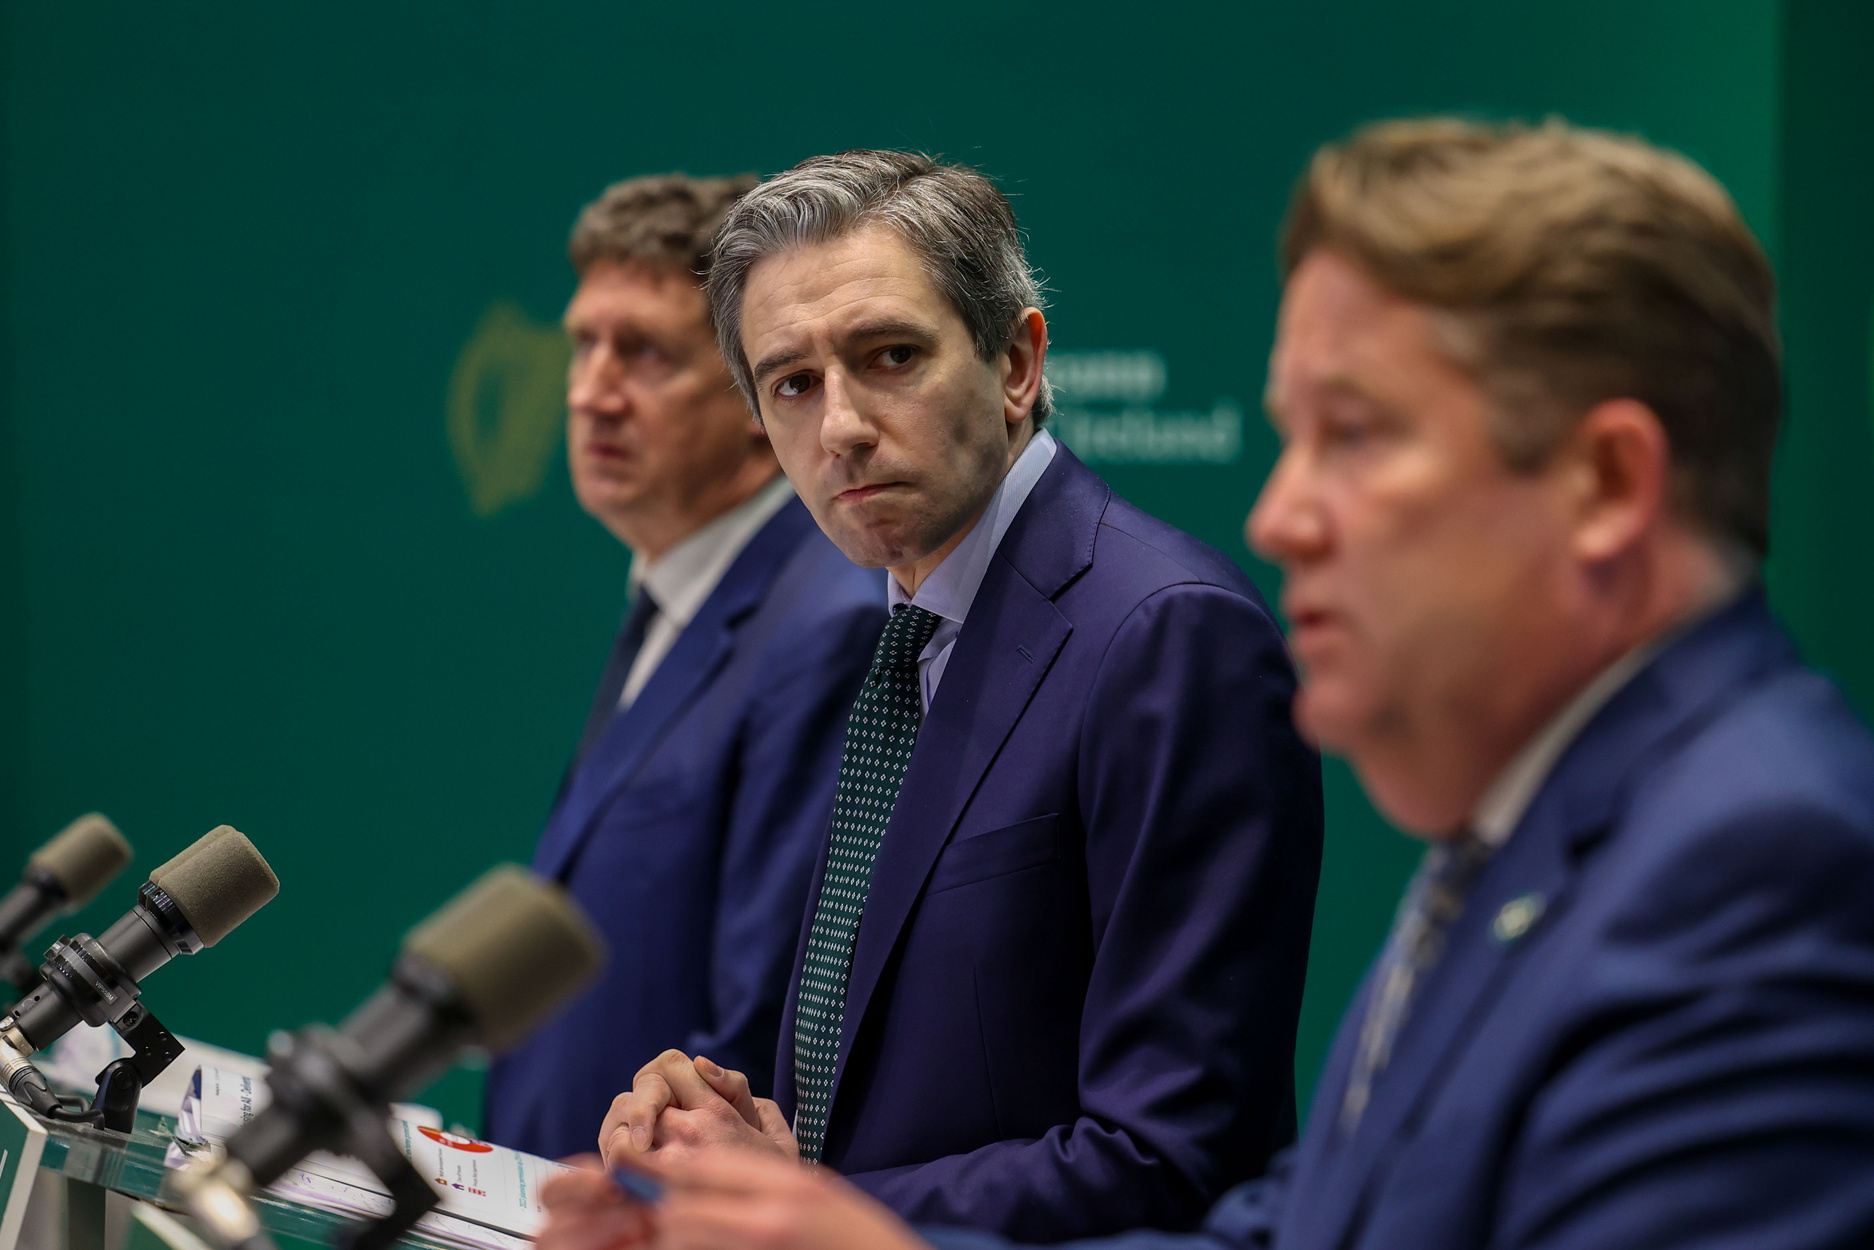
1527 386
688 822
1050 980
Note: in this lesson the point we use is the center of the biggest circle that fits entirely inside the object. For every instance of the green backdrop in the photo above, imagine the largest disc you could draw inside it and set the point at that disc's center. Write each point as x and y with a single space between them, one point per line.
286 539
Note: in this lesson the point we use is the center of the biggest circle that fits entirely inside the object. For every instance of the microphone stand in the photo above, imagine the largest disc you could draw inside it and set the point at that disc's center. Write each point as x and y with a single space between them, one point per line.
121 1084
99 991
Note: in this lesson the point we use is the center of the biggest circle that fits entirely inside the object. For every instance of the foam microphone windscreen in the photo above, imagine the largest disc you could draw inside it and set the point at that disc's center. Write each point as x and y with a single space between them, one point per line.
514 947
217 883
83 857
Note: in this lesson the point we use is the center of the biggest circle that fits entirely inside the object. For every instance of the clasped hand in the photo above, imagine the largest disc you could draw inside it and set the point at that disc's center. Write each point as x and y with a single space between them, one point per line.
730 1172
679 1106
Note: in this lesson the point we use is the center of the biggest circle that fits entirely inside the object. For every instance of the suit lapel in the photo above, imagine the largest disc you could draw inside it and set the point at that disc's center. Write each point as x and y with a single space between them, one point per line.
1461 987
1679 692
1009 641
985 688
699 653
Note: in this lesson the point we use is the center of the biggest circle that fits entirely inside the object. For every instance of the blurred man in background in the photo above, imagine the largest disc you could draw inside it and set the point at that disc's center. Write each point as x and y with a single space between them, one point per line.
1527 384
1052 975
688 822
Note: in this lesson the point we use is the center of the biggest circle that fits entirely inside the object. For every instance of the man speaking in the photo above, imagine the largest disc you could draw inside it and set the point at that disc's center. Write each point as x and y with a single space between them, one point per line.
1527 387
1051 971
689 820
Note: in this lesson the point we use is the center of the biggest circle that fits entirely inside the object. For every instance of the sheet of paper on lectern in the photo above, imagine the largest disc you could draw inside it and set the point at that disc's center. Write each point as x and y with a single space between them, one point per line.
490 1194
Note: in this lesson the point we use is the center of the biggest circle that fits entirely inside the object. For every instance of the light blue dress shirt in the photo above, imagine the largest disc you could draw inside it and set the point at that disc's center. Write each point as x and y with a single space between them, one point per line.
952 585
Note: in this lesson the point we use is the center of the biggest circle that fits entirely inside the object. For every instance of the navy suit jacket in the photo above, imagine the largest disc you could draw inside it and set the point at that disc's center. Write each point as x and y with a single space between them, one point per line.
1679 1052
688 832
1075 987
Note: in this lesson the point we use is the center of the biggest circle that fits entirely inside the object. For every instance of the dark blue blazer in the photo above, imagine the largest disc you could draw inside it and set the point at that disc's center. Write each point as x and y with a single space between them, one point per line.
1679 1051
1075 988
688 831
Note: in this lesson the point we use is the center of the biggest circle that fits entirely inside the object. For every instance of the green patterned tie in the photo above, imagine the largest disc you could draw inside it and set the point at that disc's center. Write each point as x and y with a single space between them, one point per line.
879 737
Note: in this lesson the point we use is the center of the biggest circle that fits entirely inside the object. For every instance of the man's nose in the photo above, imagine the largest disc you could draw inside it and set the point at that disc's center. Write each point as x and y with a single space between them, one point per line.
595 383
1287 524
843 426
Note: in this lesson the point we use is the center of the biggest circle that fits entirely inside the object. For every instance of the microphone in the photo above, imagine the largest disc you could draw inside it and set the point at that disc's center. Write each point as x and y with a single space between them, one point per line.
60 877
191 902
485 970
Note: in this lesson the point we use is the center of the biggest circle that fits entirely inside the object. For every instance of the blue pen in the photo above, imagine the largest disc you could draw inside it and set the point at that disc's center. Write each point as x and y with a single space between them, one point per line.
637 1185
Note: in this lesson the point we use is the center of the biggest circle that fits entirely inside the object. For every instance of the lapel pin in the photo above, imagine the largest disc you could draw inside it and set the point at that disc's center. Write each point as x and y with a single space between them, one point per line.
1516 917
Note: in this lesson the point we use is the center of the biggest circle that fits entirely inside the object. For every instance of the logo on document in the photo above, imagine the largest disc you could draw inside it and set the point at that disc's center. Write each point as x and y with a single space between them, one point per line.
455 1141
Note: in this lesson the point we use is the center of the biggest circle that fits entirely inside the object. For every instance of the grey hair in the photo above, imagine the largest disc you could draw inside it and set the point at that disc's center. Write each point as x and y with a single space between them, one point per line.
952 216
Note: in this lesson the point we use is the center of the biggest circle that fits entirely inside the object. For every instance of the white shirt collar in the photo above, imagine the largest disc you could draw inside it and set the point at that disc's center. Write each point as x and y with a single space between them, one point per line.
951 587
683 577
1503 805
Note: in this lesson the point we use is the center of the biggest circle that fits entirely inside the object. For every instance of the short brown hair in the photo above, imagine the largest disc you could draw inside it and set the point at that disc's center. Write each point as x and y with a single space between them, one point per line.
663 219
1573 266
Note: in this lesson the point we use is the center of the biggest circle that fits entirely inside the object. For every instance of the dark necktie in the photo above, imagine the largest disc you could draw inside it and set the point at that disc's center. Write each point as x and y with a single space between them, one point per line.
625 650
1432 905
879 737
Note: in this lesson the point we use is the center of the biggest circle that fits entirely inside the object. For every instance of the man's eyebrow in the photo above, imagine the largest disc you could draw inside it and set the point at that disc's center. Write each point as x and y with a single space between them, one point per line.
1331 383
865 331
776 360
891 328
626 327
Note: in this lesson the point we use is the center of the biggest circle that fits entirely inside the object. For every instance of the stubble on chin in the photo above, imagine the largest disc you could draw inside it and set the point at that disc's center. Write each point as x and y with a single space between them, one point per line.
888 543
869 549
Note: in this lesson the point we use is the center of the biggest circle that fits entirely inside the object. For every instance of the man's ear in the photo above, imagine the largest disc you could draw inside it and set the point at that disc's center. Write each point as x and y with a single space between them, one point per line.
1022 363
1620 464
